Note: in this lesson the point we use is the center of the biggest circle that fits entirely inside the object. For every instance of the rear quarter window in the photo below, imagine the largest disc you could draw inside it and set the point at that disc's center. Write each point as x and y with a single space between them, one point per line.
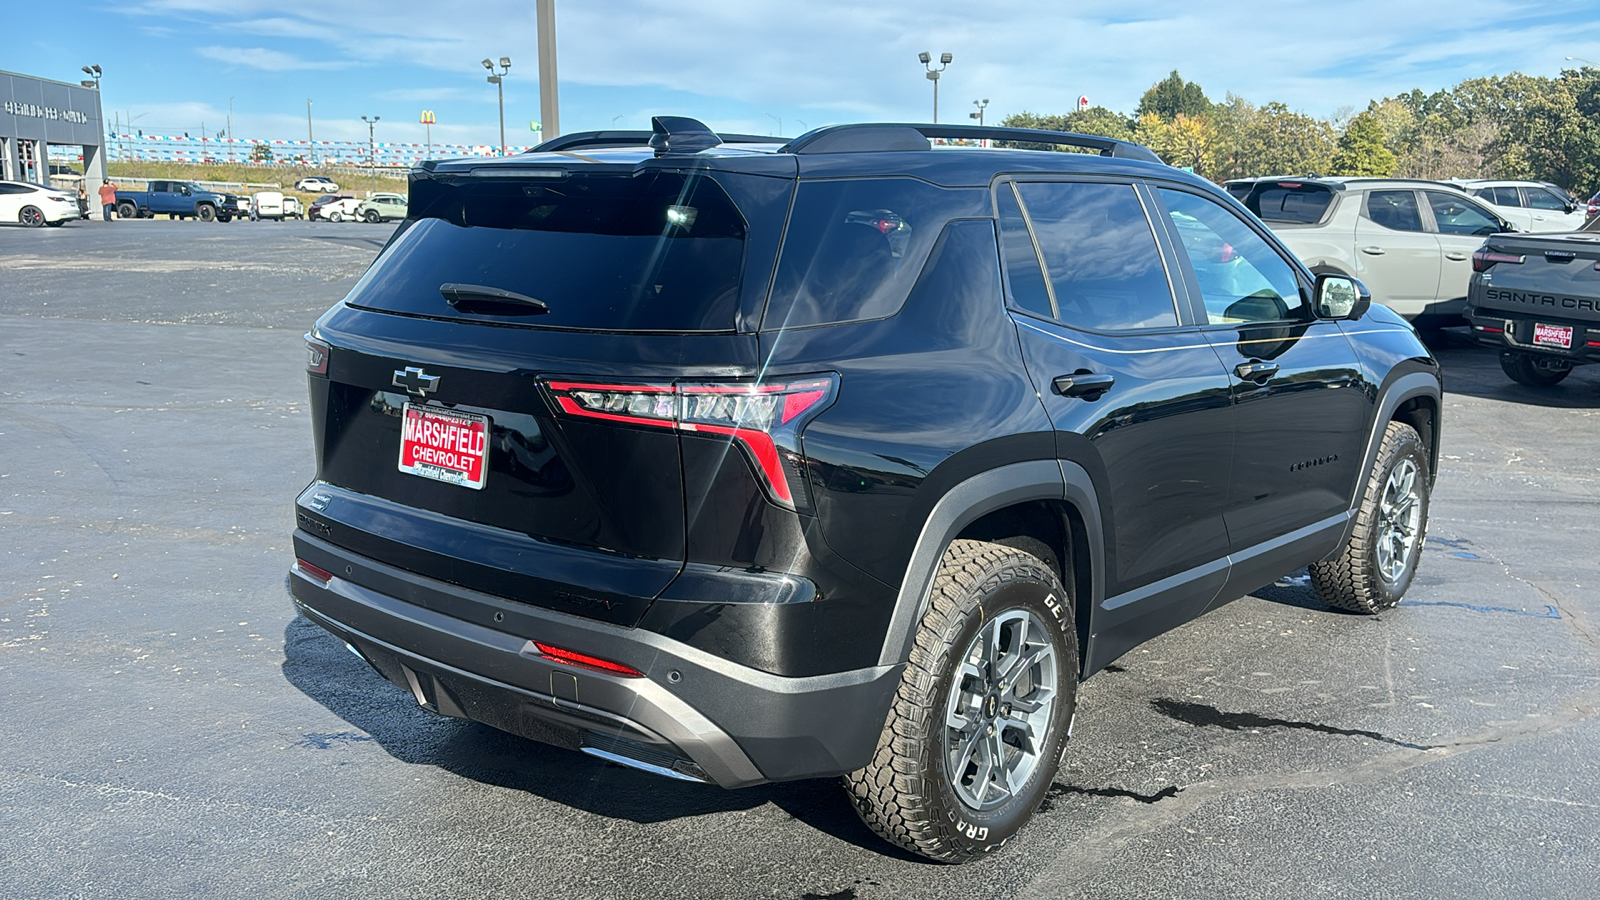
1295 203
853 248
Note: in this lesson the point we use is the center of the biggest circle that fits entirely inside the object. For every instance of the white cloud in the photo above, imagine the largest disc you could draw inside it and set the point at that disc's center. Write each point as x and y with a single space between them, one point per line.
264 59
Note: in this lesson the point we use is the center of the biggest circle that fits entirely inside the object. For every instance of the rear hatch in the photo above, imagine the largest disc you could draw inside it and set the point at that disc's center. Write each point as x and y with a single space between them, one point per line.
1289 201
443 441
1541 275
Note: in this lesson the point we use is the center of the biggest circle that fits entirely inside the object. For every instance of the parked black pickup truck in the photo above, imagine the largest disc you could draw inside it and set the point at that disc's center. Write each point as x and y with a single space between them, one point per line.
1537 298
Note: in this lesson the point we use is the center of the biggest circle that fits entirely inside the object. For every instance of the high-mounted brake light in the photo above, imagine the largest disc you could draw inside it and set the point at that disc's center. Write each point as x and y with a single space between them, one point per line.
585 661
1484 259
764 419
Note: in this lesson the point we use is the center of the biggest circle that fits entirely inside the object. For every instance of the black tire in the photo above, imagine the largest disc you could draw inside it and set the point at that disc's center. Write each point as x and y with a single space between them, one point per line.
206 212
1533 370
31 216
127 210
905 794
225 217
372 217
1372 571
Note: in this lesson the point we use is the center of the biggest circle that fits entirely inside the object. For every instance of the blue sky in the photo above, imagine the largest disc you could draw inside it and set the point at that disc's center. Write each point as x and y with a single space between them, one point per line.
756 65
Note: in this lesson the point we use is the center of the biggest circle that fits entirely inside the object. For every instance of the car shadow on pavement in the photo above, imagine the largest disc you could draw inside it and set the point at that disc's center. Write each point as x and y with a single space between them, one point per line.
319 666
1474 369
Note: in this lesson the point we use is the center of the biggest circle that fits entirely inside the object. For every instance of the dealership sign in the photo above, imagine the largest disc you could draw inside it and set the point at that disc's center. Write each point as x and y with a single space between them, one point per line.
45 112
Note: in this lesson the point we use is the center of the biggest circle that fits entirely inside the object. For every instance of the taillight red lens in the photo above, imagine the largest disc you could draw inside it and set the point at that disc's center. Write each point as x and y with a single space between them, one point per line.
316 356
584 660
1483 259
764 419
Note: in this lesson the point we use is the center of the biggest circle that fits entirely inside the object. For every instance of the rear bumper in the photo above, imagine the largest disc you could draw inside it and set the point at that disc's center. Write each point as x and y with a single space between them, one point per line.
693 715
1514 331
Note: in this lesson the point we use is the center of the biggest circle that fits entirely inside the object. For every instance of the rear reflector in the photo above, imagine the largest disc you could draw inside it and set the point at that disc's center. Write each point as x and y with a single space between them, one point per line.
585 661
764 419
315 573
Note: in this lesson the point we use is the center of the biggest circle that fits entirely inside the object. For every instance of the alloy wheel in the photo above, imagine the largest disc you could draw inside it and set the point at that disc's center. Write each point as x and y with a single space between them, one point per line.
1399 520
998 714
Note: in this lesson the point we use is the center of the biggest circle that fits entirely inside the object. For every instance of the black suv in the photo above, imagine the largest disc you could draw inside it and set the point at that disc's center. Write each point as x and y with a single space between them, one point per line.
738 462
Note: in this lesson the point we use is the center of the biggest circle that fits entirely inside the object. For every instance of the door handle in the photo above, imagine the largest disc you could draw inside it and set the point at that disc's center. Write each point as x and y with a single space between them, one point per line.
1455 255
1372 251
1255 371
1085 384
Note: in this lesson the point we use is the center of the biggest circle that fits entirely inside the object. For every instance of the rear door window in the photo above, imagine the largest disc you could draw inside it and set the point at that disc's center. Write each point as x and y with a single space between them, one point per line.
658 251
1290 202
1025 287
1395 210
1506 196
854 247
1100 256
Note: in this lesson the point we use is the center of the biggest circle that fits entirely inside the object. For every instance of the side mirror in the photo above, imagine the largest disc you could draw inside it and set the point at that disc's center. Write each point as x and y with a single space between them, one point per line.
1340 297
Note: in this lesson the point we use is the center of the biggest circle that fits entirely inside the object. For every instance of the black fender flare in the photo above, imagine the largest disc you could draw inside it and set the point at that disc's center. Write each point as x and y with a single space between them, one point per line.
965 503
1406 387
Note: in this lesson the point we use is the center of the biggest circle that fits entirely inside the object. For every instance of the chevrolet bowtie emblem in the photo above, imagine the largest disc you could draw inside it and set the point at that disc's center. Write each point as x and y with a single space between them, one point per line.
415 381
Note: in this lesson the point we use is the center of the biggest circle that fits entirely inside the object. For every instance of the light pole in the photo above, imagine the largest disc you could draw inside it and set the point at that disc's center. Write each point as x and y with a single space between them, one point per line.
933 75
1584 61
499 82
99 159
778 120
372 159
981 105
231 137
311 140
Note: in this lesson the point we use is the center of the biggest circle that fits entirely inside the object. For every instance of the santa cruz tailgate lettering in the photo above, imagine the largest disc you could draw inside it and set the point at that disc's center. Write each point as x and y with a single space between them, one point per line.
1528 299
444 445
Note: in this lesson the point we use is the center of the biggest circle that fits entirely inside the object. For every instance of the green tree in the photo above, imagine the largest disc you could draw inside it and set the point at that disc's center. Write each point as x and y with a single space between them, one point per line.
1361 149
1269 140
1172 96
1093 121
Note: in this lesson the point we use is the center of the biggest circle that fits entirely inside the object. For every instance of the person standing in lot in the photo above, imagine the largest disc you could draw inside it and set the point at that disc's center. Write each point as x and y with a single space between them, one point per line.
108 197
83 199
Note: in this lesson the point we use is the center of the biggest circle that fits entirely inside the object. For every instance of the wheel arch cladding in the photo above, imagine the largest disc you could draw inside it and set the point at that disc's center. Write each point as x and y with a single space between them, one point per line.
1021 492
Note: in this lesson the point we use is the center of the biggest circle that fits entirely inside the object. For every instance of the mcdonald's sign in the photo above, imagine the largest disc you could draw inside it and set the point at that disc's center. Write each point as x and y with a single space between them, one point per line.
427 117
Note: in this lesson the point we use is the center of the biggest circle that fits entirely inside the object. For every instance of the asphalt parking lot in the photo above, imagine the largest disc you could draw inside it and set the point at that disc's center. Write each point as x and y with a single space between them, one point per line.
171 728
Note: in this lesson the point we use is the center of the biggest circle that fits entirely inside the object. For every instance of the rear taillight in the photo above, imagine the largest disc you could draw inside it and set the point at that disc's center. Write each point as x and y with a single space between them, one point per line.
584 660
764 419
1483 259
316 356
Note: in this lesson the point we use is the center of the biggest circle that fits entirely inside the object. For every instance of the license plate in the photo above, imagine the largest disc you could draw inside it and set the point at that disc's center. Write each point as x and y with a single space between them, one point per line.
1552 336
445 445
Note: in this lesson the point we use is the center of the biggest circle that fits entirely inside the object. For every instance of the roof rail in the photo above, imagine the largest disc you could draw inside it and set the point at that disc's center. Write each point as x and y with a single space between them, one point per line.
582 140
866 138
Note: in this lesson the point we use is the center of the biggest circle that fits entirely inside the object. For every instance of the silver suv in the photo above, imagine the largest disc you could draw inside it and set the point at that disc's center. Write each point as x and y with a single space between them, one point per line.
1410 241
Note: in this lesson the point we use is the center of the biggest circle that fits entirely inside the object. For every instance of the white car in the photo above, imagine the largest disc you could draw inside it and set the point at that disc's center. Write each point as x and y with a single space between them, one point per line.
317 183
267 205
341 210
33 205
291 207
1529 205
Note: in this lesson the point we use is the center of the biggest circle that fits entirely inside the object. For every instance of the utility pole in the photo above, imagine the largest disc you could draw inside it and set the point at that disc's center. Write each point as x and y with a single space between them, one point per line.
311 141
549 97
933 75
232 138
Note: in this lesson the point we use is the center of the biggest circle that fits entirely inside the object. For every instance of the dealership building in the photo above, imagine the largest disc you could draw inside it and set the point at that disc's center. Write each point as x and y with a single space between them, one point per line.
37 114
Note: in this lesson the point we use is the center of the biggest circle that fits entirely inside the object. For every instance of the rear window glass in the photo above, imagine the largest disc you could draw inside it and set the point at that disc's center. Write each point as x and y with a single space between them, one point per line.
661 251
854 247
1293 202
